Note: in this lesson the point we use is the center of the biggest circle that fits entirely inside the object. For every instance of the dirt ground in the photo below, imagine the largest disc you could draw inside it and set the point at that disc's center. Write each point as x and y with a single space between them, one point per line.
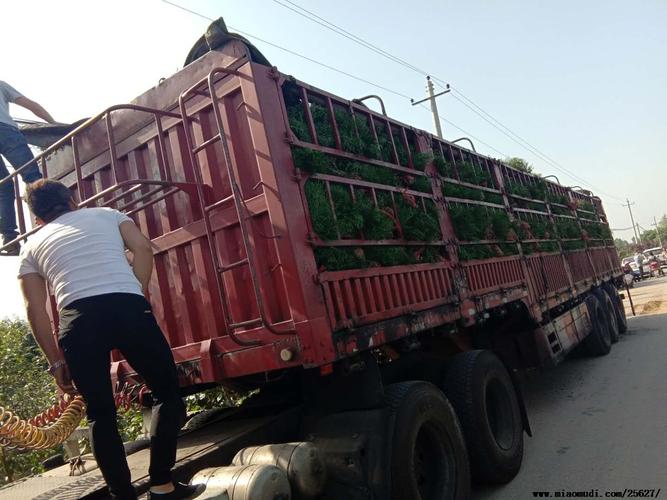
648 296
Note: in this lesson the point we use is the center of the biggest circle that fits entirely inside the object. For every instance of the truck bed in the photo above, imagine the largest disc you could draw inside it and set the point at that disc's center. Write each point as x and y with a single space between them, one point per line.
222 176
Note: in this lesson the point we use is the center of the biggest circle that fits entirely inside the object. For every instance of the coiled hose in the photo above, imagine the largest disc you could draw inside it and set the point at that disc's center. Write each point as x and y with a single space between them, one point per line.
51 428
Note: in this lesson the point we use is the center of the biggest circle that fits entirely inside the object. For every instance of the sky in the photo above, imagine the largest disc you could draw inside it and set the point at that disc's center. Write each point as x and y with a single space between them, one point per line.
582 82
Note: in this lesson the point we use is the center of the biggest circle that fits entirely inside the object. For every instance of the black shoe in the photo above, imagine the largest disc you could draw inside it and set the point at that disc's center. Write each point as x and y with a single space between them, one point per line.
12 250
181 491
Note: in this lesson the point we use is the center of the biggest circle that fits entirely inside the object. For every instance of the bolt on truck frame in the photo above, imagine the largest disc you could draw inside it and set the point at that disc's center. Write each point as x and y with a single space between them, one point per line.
383 284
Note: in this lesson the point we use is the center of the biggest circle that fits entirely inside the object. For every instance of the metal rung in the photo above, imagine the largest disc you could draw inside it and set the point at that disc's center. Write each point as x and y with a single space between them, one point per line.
236 264
213 139
219 203
256 321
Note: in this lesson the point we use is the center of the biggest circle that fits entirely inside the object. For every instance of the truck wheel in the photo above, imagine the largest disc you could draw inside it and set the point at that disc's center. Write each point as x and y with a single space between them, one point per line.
598 342
608 305
428 456
621 319
481 391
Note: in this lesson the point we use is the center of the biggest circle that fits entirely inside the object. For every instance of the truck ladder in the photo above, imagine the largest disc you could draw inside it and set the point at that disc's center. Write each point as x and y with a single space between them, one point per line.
206 88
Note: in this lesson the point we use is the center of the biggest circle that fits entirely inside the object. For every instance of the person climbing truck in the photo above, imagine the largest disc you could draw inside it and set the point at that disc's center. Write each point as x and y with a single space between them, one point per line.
101 304
13 147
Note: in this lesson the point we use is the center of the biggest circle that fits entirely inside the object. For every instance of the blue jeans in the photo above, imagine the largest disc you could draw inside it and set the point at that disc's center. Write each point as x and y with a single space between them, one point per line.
14 148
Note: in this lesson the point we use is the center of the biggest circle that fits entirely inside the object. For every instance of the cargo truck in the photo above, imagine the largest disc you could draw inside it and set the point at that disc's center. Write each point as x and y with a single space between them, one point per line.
378 290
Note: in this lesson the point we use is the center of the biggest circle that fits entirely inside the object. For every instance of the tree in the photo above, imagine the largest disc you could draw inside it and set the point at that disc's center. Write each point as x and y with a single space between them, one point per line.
653 237
624 248
520 164
26 389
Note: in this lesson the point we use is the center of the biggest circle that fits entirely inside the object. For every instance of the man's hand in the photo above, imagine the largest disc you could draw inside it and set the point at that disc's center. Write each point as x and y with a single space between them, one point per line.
64 379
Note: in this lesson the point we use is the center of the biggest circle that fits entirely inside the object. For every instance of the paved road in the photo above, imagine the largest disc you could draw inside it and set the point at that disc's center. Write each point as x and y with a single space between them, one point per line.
598 422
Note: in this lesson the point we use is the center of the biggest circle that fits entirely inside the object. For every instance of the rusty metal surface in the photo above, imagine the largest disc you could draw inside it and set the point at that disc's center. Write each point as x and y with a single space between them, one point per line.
218 439
209 176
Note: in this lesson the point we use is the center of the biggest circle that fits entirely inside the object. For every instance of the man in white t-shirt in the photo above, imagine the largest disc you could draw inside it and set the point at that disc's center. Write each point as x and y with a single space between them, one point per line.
101 304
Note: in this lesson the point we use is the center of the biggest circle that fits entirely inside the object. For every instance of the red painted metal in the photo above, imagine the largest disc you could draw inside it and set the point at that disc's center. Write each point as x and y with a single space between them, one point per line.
209 177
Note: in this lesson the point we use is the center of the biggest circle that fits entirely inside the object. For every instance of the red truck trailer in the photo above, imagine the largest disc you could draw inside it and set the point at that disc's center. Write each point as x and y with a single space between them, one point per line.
385 285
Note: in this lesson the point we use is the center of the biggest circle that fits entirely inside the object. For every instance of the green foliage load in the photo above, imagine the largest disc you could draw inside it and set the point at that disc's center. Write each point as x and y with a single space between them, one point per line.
344 258
567 228
573 245
468 173
556 198
338 214
484 251
312 161
475 222
451 190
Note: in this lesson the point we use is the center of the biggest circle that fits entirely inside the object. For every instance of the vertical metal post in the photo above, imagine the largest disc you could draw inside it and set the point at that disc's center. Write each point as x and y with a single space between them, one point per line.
634 227
434 107
632 306
657 231
430 92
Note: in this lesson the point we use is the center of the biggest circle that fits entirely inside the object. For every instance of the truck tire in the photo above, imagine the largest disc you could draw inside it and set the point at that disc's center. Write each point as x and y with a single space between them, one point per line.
621 319
428 454
481 391
608 305
598 341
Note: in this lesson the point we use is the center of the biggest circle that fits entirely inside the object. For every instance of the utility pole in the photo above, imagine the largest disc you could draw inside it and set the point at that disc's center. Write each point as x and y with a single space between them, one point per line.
657 231
634 226
430 92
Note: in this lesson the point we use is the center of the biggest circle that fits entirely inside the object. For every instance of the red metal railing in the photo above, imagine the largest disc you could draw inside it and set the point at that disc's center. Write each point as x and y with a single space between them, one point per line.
367 295
163 184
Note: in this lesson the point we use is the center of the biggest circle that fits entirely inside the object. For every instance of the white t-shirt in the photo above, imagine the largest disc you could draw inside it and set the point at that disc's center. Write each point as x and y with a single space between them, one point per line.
81 254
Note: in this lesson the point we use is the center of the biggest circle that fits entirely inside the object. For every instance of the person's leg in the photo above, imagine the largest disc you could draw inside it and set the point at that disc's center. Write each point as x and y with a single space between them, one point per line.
145 348
15 148
7 200
87 354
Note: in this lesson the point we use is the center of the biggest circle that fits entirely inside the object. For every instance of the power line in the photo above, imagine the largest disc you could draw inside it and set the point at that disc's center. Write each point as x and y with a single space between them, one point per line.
350 36
332 68
340 31
463 98
470 104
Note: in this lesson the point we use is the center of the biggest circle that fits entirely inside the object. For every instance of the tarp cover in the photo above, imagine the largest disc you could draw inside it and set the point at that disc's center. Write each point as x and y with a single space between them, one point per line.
217 36
43 135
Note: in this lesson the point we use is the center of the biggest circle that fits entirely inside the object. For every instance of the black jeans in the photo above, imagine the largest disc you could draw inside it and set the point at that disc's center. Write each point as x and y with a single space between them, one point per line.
89 329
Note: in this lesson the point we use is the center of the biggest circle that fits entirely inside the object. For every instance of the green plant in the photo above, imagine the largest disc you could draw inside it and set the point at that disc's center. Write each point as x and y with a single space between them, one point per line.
443 166
384 143
573 245
556 198
337 259
421 183
538 189
501 224
389 255
323 127
452 190
295 112
401 152
518 189
417 224
561 210
469 221
567 228
321 215
312 161
420 160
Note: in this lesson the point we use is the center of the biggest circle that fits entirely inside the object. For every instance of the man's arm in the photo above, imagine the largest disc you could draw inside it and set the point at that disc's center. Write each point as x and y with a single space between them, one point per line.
142 252
35 108
33 287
